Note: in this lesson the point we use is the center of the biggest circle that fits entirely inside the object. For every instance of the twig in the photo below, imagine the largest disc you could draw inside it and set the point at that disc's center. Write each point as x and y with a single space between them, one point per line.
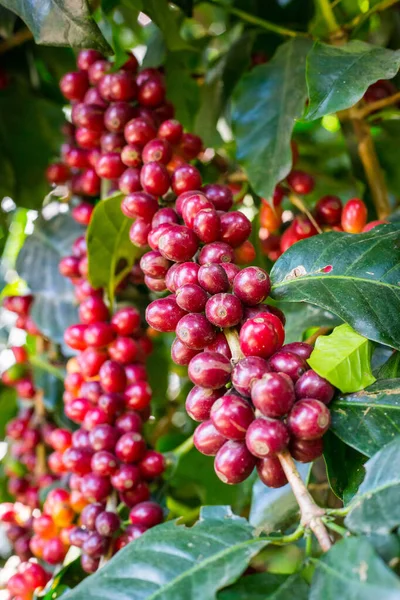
342 531
320 331
36 361
281 540
377 105
258 21
298 203
328 15
22 36
311 513
359 19
40 411
372 168
233 341
184 448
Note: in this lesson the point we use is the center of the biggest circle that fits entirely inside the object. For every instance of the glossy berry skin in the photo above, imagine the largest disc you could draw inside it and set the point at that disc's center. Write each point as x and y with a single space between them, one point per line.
266 437
301 349
126 321
54 551
220 345
192 298
233 462
152 465
138 232
154 178
91 360
139 204
154 265
207 225
224 310
125 478
107 523
112 377
129 422
273 394
86 58
110 166
252 285
195 331
90 513
178 243
258 337
130 447
93 310
157 150
123 86
300 182
95 545
247 372
192 205
213 279
74 85
139 131
89 564
185 178
354 216
231 416
182 354
57 173
328 210
184 274
270 472
200 401
216 252
311 385
210 370
220 195
147 514
289 363
306 451
104 463
131 155
138 395
207 439
309 419
171 130
98 335
235 228
164 314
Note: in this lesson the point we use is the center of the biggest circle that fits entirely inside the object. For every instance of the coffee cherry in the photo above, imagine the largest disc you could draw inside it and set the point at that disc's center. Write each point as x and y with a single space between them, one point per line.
270 472
164 216
97 70
231 416
129 422
185 178
224 310
57 173
126 321
220 345
192 205
233 462
300 348
112 377
329 210
354 216
200 401
251 285
147 514
125 478
247 372
235 228
131 155
86 58
130 447
266 437
210 370
207 226
91 360
74 85
152 465
140 493
54 551
195 331
216 252
258 337
154 178
139 131
178 243
213 278
309 419
98 335
190 146
311 385
95 488
207 439
273 394
300 182
123 86
289 363
138 395
138 233
231 271
103 463
164 314
192 298
95 545
110 166
219 195
157 150
89 564
93 310
171 130
184 274
90 513
182 354
154 265
107 523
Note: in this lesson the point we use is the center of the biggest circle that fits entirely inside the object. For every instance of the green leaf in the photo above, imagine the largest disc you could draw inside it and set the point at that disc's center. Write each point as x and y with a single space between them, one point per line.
267 585
344 467
29 137
54 308
8 408
182 89
111 254
65 579
369 419
265 105
361 286
273 509
375 507
60 23
338 76
352 570
171 561
302 316
391 368
168 20
344 359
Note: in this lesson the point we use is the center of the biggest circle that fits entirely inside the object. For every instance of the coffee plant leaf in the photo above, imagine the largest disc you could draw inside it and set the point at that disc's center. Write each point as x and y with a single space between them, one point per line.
60 23
391 368
267 585
353 276
353 570
168 20
54 308
111 254
338 76
266 103
369 419
375 507
273 509
302 316
172 561
183 90
344 467
65 579
344 359
8 407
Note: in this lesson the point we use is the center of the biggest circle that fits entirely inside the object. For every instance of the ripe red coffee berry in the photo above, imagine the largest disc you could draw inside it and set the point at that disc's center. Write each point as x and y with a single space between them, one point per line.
302 349
184 274
164 314
138 395
289 363
152 465
185 178
200 401
157 150
270 472
206 225
210 370
125 478
139 131
191 297
233 462
354 216
306 451
178 243
195 331
154 178
247 372
147 514
266 437
224 310
130 447
171 130
126 321
216 252
154 265
235 228
112 376
252 285
329 210
273 394
181 354
213 278
311 385
309 419
192 205
207 439
231 416
300 182
220 195
258 338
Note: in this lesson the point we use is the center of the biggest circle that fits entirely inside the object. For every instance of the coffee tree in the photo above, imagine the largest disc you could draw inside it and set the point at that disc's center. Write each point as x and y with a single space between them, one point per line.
200 297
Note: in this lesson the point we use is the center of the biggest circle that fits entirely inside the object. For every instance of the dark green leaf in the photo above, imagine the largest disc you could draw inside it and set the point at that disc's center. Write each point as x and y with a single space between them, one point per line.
338 76
156 50
352 570
266 103
272 509
182 90
67 578
302 316
157 366
110 252
169 20
344 359
7 22
54 308
172 561
344 467
267 585
8 407
386 545
361 286
375 507
391 368
60 23
29 137
369 419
